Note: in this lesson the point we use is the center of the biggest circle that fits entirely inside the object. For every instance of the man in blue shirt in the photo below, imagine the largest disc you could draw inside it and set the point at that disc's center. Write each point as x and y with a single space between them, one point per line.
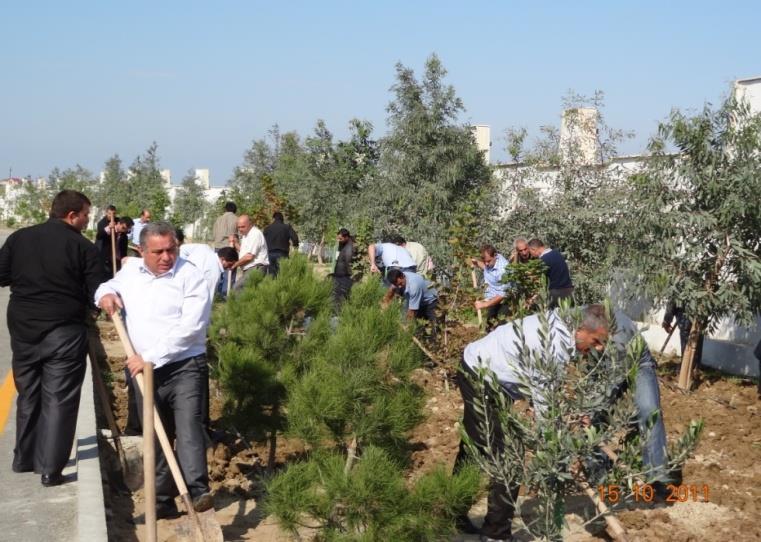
419 297
391 256
558 275
140 222
493 265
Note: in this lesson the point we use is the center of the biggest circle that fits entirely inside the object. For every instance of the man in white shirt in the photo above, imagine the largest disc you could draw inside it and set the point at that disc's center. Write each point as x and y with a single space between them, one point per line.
392 256
167 307
252 250
499 352
211 264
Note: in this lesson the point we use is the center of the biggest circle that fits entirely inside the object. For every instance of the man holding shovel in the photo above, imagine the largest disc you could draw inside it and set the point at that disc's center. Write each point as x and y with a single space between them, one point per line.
167 308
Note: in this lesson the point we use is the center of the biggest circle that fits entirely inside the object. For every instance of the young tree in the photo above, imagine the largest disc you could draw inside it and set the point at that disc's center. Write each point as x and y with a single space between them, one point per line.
429 162
698 219
189 203
146 187
113 190
258 161
579 436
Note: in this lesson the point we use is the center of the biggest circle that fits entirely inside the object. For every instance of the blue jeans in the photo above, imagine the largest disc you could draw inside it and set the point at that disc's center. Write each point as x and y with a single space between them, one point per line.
648 400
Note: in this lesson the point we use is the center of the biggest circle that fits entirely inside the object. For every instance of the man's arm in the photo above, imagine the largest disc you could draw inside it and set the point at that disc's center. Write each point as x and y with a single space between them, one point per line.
486 303
243 260
371 254
5 264
388 296
93 270
294 237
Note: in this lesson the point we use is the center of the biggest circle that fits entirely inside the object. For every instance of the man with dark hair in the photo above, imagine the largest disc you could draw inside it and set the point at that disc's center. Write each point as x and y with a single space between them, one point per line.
558 275
493 265
420 298
53 272
280 237
167 308
103 237
499 351
342 271
122 227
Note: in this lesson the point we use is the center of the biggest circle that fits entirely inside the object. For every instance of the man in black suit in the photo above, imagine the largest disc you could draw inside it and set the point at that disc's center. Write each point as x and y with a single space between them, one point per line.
53 272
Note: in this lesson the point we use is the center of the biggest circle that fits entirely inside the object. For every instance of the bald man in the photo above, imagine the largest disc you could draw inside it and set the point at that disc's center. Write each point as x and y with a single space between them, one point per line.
252 250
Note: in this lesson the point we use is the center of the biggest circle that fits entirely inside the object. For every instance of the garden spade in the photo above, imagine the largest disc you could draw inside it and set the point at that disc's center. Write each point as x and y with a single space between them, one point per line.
203 526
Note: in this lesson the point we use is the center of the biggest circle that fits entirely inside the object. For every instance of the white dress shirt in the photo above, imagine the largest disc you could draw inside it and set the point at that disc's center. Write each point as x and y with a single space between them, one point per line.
499 351
206 260
254 243
168 314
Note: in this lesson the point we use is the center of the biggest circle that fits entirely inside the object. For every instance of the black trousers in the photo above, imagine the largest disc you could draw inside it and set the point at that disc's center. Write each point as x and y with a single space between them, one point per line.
557 294
179 399
501 500
341 289
274 257
48 376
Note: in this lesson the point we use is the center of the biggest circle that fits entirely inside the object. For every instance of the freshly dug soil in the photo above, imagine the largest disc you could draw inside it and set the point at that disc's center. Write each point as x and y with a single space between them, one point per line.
726 460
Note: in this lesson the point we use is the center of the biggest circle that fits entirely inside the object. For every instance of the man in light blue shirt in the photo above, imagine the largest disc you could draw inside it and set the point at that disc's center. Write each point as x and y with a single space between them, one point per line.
493 264
420 298
137 227
392 256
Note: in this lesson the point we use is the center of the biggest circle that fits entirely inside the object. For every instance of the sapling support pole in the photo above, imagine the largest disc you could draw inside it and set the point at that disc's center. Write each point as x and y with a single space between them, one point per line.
113 247
687 369
615 529
668 338
474 278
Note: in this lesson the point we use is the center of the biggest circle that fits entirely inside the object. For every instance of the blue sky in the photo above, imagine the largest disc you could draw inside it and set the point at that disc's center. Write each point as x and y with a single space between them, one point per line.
81 81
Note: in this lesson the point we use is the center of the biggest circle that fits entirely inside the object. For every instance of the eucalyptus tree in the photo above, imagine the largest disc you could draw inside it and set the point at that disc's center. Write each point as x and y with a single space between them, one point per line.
698 219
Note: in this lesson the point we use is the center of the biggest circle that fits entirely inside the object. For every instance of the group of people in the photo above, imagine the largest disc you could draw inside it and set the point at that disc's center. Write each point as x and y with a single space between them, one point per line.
56 276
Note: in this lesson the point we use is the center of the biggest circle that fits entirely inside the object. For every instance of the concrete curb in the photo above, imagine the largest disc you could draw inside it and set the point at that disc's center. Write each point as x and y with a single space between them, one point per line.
91 510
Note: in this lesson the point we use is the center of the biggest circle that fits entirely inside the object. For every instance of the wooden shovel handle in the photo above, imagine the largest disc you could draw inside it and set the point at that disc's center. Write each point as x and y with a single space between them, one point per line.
474 278
166 446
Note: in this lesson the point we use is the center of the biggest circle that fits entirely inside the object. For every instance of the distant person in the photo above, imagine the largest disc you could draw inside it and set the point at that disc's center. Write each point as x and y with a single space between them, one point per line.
139 224
757 353
53 272
225 226
520 253
558 275
122 228
342 271
252 251
420 298
493 265
103 237
423 262
390 256
280 237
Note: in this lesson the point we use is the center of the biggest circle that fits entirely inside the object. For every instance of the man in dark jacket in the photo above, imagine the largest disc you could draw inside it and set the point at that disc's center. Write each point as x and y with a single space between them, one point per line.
558 275
279 237
342 281
685 326
53 272
103 238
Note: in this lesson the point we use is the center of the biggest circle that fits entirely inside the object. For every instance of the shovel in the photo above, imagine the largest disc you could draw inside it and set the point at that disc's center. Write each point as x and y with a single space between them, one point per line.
205 527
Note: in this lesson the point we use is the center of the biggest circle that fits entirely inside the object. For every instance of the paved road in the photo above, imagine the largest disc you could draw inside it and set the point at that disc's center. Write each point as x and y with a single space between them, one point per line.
28 511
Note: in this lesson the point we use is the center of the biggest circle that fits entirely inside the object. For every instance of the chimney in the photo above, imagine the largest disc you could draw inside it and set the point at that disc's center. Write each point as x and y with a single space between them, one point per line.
578 137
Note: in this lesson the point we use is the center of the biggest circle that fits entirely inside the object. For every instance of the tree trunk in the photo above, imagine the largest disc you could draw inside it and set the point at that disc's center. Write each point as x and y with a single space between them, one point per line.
320 247
351 455
687 371
273 449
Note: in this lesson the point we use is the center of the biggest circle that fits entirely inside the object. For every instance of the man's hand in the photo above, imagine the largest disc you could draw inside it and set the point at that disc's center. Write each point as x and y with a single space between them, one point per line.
586 421
110 303
374 268
480 304
135 364
668 327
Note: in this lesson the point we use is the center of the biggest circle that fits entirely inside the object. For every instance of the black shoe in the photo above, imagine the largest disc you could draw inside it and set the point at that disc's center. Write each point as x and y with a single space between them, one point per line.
50 480
203 502
465 526
167 511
